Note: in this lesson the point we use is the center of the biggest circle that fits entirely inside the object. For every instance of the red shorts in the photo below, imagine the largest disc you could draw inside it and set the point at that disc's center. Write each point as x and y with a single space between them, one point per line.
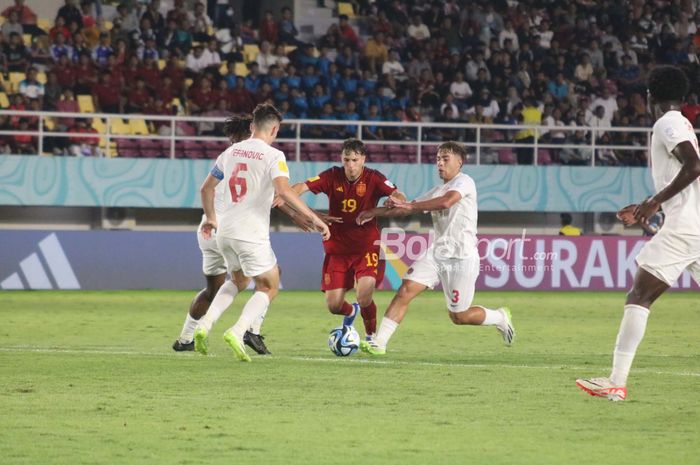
341 271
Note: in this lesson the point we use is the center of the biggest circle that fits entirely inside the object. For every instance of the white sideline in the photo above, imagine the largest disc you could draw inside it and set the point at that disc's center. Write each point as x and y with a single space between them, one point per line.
365 360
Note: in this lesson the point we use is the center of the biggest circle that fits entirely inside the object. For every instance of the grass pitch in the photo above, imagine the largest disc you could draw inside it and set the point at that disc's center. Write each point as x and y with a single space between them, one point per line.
90 378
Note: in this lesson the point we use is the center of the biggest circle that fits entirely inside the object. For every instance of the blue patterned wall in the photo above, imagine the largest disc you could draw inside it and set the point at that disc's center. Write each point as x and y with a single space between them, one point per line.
32 180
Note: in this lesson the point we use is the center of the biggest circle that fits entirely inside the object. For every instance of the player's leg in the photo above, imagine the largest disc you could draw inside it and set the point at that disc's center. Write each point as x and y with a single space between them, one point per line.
458 278
198 308
393 316
252 337
368 309
661 261
337 279
259 261
369 271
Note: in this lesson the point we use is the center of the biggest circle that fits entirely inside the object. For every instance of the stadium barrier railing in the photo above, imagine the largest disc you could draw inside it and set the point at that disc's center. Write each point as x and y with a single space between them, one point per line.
389 141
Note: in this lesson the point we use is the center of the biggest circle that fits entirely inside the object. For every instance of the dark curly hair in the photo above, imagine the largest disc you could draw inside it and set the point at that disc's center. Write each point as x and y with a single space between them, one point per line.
667 84
237 127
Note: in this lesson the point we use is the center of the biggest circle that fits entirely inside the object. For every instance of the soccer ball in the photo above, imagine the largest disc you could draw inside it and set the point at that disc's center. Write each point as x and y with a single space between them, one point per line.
344 341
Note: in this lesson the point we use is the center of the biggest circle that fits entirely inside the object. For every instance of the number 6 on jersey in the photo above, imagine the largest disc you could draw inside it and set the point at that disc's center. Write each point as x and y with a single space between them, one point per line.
236 180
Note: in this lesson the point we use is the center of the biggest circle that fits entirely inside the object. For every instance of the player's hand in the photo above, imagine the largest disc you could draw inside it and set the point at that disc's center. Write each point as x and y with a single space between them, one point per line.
208 228
626 215
364 217
277 201
646 210
325 232
328 219
403 204
394 198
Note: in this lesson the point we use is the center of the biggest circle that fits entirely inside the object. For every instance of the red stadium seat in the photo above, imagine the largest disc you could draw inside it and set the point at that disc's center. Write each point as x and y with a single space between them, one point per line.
544 157
506 157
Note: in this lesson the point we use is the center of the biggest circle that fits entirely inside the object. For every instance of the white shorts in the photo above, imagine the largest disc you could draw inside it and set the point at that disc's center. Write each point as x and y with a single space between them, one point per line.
254 258
213 263
668 254
457 276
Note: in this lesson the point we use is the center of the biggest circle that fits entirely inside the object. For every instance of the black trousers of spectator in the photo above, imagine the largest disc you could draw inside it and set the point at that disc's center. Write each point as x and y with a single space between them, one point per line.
525 154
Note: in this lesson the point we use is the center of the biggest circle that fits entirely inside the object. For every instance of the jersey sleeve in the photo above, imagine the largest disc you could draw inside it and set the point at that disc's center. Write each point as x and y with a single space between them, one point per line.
217 170
279 167
465 186
320 183
384 186
671 133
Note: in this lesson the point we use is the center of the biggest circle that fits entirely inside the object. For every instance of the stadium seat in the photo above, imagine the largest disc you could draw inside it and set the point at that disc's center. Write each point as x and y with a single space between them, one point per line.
15 79
240 69
506 157
41 77
544 157
318 156
49 124
4 101
86 104
345 8
379 158
161 64
127 148
99 125
108 25
223 69
150 148
118 126
188 149
27 39
138 126
250 52
44 24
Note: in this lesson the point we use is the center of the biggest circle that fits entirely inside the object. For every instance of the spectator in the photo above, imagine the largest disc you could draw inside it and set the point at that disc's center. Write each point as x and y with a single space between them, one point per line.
393 67
609 104
11 25
30 87
460 90
154 16
241 99
196 61
85 75
529 115
211 55
268 28
83 146
376 53
567 228
16 54
200 23
106 96
102 52
70 13
26 17
287 32
508 33
265 57
417 30
691 109
347 33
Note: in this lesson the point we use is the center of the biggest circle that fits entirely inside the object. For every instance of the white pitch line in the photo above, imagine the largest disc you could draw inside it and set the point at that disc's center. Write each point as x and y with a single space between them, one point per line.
368 361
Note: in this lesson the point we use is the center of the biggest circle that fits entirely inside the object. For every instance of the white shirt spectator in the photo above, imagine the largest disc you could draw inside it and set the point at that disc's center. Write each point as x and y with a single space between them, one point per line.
395 68
211 58
461 90
265 60
610 105
195 63
31 90
420 32
508 34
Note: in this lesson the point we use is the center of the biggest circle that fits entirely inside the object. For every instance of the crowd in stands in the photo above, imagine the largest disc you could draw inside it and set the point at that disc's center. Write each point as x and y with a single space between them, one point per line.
542 62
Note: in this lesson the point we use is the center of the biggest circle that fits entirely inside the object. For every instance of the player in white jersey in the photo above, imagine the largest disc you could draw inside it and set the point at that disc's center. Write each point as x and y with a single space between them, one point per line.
251 171
675 169
236 128
451 260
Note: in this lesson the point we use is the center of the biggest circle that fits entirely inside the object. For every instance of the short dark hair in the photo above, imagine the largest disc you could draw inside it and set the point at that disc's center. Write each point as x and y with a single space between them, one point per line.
265 114
354 145
667 84
566 219
454 147
237 127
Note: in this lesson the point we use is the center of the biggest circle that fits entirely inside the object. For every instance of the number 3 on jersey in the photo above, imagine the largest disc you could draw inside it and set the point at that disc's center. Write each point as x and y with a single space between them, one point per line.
236 181
349 205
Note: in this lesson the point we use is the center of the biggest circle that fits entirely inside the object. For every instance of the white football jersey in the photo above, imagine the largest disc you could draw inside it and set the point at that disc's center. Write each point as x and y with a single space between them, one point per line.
246 169
455 227
682 210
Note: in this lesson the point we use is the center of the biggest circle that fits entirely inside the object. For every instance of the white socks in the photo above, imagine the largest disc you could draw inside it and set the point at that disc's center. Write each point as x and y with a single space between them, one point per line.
386 330
257 324
221 302
492 318
187 333
254 309
632 328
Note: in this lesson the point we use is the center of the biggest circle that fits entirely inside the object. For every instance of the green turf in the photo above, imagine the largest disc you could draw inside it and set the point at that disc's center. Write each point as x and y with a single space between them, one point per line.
89 378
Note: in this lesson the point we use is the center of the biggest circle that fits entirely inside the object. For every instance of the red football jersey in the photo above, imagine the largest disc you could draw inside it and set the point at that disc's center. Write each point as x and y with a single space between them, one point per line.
346 200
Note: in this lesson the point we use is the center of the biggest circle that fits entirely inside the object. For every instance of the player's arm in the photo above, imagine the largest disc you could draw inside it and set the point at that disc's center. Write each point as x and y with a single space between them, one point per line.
299 188
689 172
208 191
289 195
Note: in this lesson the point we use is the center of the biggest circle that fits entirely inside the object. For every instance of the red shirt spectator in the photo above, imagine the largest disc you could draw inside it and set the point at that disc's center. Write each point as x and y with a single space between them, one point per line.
131 71
68 104
106 94
240 98
139 97
347 32
65 72
175 71
85 75
25 14
59 28
150 73
268 28
691 110
201 98
82 128
167 90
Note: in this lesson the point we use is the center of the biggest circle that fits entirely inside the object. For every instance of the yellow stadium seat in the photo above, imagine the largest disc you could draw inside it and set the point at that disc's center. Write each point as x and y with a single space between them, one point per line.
15 79
44 24
345 8
250 52
161 64
188 82
85 103
4 101
223 69
118 126
108 25
49 124
289 49
41 77
138 126
241 69
99 125
27 39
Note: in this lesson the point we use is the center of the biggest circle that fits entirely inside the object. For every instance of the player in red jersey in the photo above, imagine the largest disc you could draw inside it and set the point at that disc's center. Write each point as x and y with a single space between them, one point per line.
352 253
